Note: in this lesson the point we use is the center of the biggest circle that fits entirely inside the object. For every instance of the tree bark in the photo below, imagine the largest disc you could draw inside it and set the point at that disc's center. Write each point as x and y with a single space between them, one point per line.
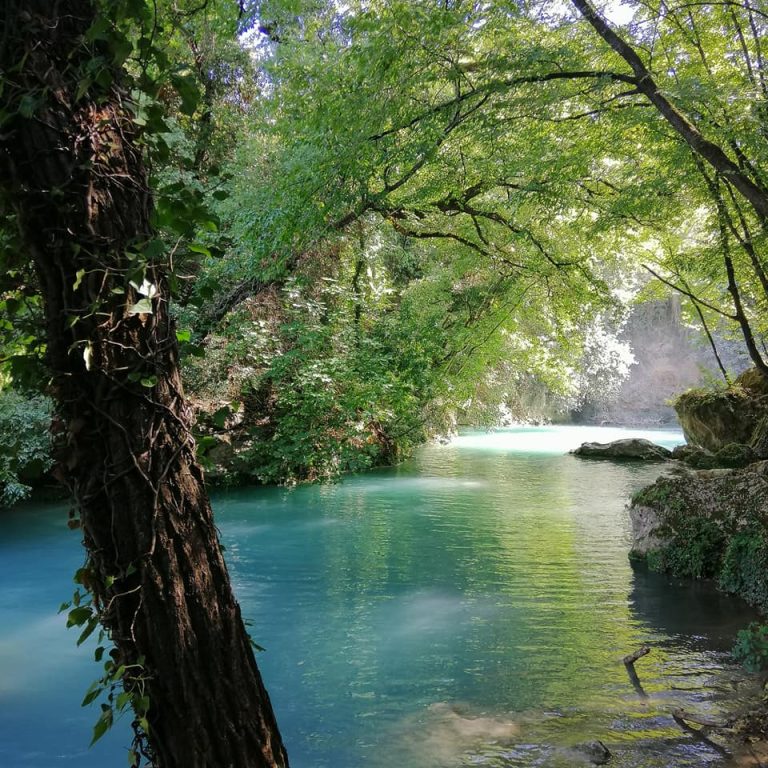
73 172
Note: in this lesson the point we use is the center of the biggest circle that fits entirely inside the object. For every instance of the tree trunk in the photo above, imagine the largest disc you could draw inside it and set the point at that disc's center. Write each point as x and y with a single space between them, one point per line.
73 173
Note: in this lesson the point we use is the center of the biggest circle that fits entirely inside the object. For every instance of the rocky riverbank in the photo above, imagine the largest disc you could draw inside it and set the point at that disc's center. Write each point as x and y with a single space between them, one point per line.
709 518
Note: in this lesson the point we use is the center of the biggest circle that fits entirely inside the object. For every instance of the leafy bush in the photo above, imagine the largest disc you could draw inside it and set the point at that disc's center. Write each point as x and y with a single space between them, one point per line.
25 444
751 648
321 387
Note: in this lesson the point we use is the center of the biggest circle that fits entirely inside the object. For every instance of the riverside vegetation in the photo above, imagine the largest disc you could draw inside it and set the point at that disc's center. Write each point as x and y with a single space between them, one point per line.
349 227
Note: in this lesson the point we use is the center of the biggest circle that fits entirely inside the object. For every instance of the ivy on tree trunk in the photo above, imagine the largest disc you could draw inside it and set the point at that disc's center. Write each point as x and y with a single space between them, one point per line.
73 172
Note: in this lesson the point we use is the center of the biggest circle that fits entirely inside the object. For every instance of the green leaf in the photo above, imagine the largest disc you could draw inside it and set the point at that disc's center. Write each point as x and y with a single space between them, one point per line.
78 616
28 105
185 83
149 381
141 307
86 633
94 691
153 249
204 444
123 700
198 248
103 724
220 417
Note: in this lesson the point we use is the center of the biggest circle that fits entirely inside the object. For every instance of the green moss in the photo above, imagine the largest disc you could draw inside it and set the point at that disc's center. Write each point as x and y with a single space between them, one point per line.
745 566
655 560
696 398
696 550
665 494
734 455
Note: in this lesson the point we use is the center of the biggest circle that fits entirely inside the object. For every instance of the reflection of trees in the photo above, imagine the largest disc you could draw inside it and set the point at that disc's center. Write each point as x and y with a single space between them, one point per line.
690 613
479 574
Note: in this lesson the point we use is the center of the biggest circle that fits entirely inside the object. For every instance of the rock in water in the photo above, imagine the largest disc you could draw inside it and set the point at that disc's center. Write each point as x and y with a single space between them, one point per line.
629 449
595 751
711 419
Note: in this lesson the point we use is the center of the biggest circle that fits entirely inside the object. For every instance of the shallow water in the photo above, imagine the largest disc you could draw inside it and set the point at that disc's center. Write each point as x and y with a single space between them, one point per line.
470 607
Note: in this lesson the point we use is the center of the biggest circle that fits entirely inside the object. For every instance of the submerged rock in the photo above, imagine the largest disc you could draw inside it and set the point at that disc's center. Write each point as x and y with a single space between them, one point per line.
628 449
594 751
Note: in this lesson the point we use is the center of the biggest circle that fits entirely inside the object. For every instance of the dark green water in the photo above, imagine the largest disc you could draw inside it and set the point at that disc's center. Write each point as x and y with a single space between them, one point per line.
468 608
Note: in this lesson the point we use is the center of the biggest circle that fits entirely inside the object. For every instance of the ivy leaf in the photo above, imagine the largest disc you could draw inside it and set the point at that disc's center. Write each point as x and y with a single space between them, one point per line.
86 633
141 307
78 616
103 724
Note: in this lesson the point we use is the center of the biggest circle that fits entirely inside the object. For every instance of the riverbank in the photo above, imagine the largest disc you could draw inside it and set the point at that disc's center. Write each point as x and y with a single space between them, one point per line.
713 525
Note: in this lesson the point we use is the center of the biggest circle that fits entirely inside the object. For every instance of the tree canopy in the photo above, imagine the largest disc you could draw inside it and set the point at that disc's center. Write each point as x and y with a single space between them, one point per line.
348 224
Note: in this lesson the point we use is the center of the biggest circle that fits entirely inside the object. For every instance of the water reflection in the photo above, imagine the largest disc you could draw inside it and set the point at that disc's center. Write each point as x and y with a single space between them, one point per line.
469 608
691 614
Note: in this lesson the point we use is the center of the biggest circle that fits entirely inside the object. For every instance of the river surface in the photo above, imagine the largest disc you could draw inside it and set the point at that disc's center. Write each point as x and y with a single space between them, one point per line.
470 607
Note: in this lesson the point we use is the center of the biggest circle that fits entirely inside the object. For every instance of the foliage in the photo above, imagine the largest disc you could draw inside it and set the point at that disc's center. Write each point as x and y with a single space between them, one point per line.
696 551
319 369
751 647
25 444
744 569
122 687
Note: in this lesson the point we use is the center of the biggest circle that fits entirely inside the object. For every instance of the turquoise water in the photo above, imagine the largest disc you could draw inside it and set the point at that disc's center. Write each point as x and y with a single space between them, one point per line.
470 607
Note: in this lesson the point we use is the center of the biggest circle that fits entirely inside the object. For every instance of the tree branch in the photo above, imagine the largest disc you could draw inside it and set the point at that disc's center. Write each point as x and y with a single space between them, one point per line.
708 150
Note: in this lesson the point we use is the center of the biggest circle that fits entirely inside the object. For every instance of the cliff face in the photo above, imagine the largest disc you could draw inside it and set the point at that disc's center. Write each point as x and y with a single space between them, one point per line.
670 358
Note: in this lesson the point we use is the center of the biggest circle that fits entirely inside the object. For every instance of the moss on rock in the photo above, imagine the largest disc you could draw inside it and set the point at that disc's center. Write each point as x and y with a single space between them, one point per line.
708 524
713 418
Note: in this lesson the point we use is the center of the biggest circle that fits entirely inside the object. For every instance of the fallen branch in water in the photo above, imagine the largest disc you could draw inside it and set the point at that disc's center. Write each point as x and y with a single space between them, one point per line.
629 663
638 654
680 716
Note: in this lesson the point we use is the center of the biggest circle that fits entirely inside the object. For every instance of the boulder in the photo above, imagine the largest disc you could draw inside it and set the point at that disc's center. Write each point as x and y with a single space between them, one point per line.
707 524
711 419
628 449
735 455
694 456
730 456
759 442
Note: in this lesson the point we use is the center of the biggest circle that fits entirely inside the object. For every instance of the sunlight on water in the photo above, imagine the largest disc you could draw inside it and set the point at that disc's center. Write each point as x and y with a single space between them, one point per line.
559 439
470 607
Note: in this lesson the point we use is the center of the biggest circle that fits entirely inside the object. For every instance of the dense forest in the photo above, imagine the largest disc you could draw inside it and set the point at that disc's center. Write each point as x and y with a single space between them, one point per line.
278 241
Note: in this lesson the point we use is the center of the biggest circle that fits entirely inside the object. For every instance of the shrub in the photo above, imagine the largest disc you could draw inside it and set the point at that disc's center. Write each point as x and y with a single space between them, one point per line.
696 550
751 648
25 444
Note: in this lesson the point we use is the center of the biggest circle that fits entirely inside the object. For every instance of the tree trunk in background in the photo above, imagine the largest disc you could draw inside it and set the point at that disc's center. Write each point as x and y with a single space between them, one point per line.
73 173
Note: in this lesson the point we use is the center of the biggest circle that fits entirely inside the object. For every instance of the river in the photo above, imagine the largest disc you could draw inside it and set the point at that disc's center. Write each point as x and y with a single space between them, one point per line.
470 607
